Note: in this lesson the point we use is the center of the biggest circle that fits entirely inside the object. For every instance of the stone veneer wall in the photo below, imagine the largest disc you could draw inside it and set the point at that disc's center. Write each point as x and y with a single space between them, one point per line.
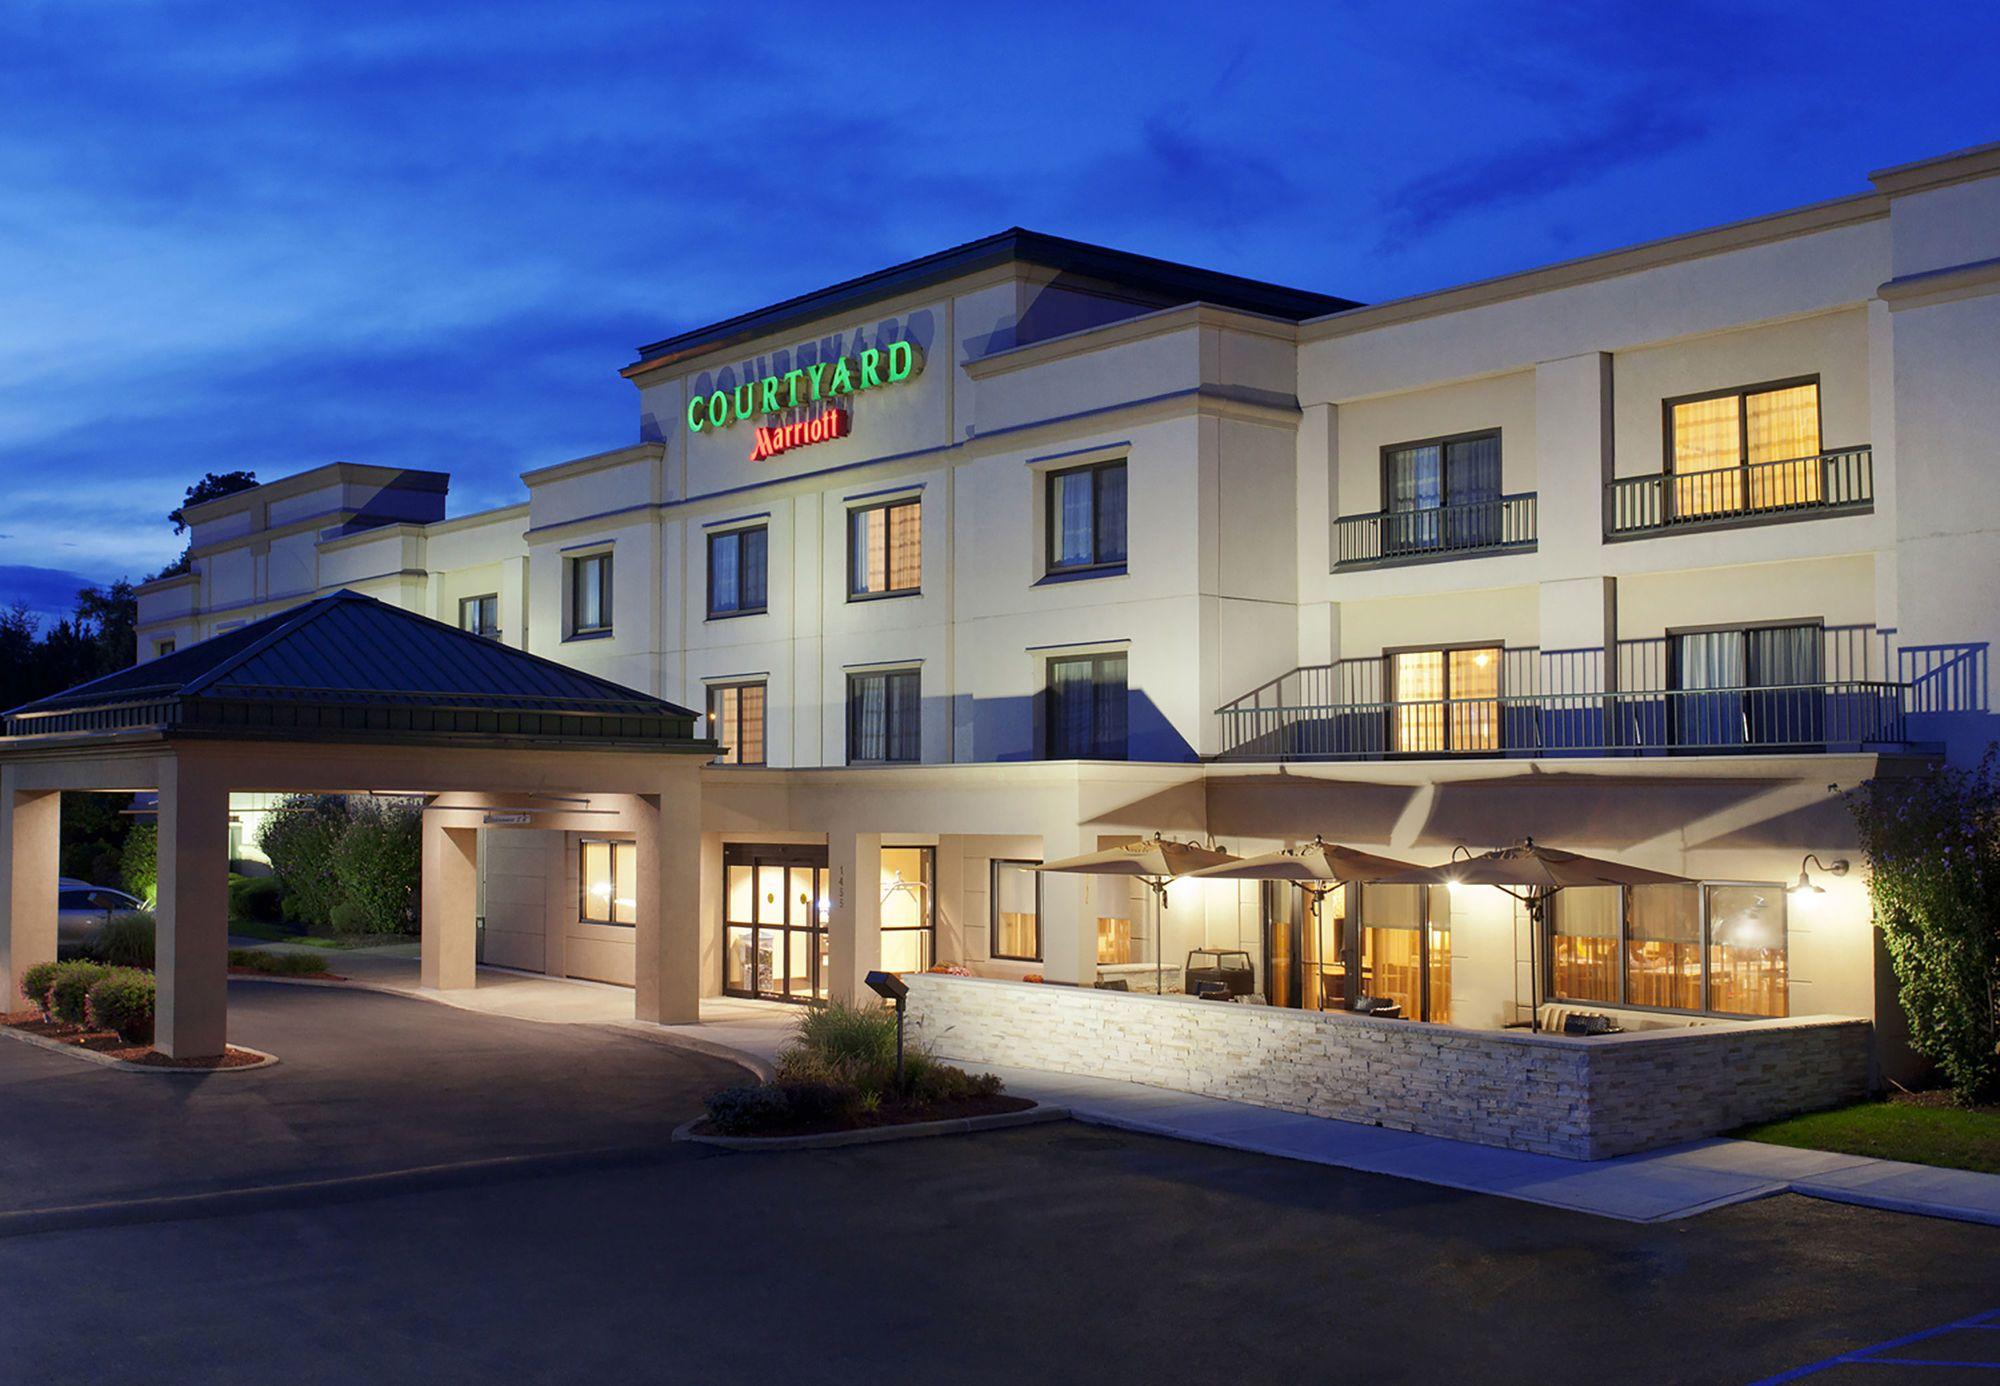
1584 1099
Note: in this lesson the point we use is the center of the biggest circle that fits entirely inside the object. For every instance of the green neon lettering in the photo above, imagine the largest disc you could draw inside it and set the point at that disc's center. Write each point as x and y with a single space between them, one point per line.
792 383
870 377
718 409
818 370
770 394
843 383
746 399
694 414
902 360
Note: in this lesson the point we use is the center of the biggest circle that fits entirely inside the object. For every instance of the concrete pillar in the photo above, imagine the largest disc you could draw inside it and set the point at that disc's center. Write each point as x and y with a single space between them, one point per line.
30 841
667 966
1573 459
854 929
191 948
448 950
1068 923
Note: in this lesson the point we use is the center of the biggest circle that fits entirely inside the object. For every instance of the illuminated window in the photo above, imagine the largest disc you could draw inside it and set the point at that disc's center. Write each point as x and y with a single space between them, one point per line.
1658 931
480 615
736 570
1016 906
590 595
1747 449
1087 518
885 550
1405 948
1583 950
884 717
909 908
610 874
736 721
1747 972
1445 700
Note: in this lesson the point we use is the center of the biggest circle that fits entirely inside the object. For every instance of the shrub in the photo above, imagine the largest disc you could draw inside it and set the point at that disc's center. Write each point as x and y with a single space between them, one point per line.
277 964
933 1082
1933 847
69 989
350 918
748 1108
122 1000
126 940
300 837
816 1101
378 865
845 1042
35 983
139 864
258 899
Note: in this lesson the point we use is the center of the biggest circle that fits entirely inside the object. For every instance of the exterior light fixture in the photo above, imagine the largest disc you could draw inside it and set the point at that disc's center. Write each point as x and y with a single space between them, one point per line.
1804 884
896 991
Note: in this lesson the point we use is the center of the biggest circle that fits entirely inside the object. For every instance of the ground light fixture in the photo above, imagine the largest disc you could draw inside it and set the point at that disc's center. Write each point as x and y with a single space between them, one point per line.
1804 884
896 991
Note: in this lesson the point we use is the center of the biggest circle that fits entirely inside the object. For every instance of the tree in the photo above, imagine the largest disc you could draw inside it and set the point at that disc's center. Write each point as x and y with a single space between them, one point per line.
1933 845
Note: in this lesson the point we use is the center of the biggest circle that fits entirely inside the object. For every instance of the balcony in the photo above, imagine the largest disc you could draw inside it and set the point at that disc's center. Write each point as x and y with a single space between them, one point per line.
1559 703
1832 483
1391 537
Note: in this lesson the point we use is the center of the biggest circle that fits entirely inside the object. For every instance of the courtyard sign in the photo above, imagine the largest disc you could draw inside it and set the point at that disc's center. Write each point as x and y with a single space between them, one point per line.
846 375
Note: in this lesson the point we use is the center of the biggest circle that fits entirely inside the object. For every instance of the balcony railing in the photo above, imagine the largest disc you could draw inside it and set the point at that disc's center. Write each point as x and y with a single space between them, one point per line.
1441 532
1557 703
1804 486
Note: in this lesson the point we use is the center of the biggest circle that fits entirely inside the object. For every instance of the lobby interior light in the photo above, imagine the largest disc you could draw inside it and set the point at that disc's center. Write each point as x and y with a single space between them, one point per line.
1804 884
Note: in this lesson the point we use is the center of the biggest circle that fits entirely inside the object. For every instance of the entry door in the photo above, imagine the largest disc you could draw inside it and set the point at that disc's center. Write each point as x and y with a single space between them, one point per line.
774 922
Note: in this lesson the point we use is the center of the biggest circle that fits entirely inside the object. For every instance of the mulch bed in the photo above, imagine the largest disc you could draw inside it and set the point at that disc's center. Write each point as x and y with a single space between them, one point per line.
893 1114
286 976
1940 1097
108 1043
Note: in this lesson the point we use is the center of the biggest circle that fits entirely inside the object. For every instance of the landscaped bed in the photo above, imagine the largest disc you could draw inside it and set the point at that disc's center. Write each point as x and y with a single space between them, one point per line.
112 1045
108 1010
1921 1128
839 1073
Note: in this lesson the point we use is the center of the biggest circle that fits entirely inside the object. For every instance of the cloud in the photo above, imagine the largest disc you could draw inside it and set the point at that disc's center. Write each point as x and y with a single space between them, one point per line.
48 593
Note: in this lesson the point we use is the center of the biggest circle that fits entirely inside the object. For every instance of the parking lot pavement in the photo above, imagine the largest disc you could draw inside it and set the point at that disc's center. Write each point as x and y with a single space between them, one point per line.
1964 1349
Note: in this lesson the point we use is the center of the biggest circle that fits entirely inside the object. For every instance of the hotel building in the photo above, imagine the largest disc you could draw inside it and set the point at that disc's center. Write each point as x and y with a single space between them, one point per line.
1031 547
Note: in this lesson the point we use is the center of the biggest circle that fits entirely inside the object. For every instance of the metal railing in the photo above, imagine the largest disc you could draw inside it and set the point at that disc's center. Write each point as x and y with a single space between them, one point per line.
1440 532
1833 481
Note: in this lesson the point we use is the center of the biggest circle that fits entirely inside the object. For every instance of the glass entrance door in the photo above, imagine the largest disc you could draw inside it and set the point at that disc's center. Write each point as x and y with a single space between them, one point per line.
774 922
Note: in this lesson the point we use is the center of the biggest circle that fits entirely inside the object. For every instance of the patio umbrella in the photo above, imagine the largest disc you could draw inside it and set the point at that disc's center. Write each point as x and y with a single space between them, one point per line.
1154 860
1532 874
1318 869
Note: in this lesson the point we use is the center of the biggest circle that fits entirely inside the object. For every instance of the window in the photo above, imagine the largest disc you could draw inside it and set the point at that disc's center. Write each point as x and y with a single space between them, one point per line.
885 550
1445 700
590 595
909 908
1016 903
1087 518
1748 449
610 876
1748 686
162 647
736 720
736 572
1644 946
1086 708
883 717
480 615
1441 494
1405 948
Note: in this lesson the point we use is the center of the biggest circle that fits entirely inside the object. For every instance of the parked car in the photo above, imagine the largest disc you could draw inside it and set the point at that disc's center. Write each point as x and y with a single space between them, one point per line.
82 910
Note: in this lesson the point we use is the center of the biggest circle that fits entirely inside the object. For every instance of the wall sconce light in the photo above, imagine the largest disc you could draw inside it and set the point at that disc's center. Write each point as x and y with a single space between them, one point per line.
1804 884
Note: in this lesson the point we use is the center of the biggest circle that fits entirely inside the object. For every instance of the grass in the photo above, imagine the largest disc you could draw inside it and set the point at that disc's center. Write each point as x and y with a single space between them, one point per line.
278 933
1923 1133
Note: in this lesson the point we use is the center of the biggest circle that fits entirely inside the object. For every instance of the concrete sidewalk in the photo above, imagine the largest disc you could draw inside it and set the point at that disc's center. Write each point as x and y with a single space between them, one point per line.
1658 1186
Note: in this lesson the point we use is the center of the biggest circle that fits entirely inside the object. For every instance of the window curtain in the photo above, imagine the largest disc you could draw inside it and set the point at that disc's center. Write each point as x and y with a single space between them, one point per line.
1790 660
750 567
1663 947
1111 514
870 717
906 545
1070 708
722 573
1108 709
1707 456
1703 661
1583 958
1416 683
1782 429
905 723
1078 527
1472 493
1415 485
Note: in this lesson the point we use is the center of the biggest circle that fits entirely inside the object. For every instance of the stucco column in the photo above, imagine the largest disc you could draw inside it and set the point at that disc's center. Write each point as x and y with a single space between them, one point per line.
1068 927
191 948
29 845
667 939
854 928
448 951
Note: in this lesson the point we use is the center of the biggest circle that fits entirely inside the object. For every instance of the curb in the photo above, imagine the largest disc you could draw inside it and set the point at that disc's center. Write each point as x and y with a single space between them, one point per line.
126 1065
874 1135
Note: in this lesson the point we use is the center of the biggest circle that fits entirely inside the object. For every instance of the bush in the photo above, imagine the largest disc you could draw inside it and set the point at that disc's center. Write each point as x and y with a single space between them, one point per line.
932 1082
748 1108
277 964
378 865
1933 847
122 1000
126 940
844 1042
350 918
139 864
35 983
816 1102
301 837
69 989
257 899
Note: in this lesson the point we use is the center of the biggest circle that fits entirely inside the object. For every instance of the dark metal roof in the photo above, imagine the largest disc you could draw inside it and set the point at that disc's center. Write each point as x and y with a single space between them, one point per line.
1162 282
349 665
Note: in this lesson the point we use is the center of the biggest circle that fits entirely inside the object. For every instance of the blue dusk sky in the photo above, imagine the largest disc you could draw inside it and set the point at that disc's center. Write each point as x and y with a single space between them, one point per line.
272 235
